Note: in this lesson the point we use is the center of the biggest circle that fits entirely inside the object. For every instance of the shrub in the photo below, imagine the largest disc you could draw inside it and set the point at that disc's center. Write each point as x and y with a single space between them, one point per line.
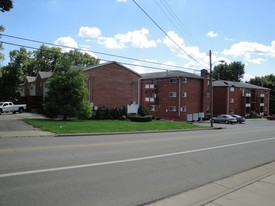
136 118
142 111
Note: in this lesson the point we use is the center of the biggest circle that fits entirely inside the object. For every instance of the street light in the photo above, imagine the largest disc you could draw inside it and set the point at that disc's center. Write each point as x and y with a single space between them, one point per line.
211 87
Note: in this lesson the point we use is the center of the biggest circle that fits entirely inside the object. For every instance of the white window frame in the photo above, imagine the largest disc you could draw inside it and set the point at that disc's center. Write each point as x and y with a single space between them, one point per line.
172 108
184 80
183 109
184 94
232 89
172 94
231 100
152 108
173 80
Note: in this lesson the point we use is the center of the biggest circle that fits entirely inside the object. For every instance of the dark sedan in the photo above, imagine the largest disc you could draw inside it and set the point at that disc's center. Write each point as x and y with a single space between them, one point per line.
225 118
239 118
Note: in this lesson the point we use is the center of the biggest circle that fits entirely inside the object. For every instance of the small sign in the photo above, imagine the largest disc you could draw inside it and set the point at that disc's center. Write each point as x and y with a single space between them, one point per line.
189 117
201 114
195 116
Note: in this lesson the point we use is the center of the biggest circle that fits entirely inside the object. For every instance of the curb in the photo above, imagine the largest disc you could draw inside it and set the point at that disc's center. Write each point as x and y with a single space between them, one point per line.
135 132
217 189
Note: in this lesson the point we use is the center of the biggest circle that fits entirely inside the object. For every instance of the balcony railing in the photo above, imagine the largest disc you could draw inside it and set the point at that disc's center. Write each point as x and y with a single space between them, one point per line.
247 94
247 105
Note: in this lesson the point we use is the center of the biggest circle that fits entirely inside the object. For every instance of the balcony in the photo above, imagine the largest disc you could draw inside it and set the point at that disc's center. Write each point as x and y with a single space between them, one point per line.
150 99
247 105
150 86
247 95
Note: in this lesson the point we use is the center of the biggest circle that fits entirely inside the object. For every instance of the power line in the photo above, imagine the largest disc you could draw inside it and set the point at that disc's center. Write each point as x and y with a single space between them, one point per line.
177 19
96 52
166 33
124 63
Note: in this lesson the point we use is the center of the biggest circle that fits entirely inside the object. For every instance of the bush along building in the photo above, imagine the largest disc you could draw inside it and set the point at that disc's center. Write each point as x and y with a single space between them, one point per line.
175 95
240 98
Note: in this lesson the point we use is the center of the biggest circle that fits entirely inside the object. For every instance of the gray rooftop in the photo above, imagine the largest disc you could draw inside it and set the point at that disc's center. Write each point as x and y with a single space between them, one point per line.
30 79
170 74
45 75
224 83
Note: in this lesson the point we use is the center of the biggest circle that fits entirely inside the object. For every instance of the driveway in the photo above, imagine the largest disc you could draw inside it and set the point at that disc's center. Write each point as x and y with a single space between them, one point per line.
12 126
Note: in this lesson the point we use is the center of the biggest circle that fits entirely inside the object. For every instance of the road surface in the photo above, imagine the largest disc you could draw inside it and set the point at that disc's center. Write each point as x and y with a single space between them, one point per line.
132 169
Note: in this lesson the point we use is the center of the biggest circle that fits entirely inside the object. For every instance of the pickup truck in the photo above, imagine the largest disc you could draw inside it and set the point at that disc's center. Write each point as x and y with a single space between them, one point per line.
6 107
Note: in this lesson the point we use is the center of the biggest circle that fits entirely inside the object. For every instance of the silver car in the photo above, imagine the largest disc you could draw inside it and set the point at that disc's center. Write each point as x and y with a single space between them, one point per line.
225 118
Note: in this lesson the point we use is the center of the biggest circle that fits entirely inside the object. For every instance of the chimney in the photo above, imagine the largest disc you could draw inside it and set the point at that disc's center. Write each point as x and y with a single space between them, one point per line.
204 73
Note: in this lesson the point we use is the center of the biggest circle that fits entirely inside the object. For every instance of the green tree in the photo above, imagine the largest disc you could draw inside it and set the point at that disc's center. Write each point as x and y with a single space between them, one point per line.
9 83
267 81
230 72
79 59
1 46
66 94
6 5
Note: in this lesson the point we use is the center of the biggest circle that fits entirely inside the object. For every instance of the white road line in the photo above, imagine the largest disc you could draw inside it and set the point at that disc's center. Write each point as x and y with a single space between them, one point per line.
131 160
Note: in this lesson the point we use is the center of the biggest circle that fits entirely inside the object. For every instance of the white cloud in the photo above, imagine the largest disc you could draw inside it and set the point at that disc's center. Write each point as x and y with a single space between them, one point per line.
92 32
85 50
212 34
137 38
247 77
110 43
68 42
251 51
182 53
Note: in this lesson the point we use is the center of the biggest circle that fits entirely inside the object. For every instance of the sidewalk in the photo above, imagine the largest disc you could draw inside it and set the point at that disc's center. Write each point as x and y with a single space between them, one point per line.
251 188
30 133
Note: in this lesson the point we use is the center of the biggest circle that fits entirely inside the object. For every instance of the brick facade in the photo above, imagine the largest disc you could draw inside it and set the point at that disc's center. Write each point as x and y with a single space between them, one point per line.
240 98
111 85
174 94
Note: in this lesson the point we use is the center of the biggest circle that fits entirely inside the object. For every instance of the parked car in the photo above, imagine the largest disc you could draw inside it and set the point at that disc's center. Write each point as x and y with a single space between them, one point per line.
225 118
271 117
10 107
239 118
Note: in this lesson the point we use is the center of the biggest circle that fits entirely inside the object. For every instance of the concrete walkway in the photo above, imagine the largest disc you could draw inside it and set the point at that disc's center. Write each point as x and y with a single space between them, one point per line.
251 188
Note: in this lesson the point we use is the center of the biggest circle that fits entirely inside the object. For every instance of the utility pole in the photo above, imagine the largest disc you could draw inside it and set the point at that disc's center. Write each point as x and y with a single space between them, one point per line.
211 89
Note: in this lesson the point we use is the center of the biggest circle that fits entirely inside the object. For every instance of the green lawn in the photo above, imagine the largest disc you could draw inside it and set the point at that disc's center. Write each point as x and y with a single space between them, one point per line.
98 126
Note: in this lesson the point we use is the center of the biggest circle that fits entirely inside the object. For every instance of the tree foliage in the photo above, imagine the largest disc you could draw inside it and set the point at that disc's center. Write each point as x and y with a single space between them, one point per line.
28 63
267 81
230 72
66 94
6 5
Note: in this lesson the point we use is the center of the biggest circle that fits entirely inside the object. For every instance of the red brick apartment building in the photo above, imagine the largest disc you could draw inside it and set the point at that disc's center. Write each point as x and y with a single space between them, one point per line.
34 89
240 98
111 85
174 94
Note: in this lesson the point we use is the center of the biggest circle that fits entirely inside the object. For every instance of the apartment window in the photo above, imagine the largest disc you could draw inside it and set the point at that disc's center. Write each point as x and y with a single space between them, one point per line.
147 86
184 80
173 80
172 94
232 89
231 100
152 108
184 94
172 109
183 109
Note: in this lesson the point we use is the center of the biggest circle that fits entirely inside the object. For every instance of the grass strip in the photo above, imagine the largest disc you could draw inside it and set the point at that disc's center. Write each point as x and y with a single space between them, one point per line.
103 126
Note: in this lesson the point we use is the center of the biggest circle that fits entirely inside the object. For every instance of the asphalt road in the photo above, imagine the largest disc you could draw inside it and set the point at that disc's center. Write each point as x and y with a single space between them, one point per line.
132 169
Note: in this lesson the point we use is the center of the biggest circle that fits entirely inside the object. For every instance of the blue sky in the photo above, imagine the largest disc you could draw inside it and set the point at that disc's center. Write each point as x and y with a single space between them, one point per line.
234 30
